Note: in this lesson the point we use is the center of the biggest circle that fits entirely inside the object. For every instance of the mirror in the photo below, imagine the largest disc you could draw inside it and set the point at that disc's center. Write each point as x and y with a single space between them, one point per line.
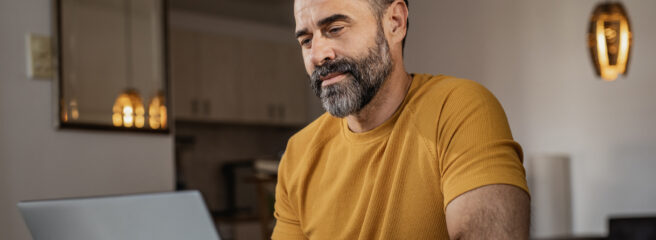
111 65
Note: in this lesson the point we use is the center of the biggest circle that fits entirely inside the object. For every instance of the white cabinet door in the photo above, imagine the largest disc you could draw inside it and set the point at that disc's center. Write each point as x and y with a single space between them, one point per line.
292 77
183 61
259 86
220 78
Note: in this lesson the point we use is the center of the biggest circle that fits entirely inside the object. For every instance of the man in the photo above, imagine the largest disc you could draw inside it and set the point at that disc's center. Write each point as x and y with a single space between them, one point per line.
397 155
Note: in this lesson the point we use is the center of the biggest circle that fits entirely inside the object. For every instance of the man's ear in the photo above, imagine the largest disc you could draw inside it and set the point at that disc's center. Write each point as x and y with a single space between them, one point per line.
396 18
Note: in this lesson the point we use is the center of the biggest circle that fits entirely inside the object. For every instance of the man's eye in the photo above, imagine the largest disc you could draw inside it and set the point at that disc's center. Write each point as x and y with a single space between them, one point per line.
305 42
335 30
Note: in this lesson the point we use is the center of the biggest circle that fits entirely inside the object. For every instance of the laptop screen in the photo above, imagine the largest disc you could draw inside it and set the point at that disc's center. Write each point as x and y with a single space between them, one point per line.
162 216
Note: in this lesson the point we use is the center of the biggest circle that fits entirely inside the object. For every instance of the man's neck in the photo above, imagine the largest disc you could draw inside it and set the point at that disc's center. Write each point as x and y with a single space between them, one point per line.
383 105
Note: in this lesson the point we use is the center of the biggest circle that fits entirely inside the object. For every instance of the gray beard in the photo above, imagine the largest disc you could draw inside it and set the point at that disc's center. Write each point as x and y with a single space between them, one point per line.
364 77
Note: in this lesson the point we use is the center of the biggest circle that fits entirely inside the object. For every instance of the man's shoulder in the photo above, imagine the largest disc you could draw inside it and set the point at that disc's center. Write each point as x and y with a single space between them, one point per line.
307 141
437 85
322 129
433 91
434 100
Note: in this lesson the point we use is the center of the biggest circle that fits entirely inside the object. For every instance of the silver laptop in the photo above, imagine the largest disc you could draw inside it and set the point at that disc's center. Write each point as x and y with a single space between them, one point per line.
161 216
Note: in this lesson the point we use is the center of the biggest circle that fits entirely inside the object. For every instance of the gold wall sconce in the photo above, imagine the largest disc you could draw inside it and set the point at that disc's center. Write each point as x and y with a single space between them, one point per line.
609 40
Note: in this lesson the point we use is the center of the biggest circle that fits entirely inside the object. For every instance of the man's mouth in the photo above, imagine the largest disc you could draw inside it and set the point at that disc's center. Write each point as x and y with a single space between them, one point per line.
332 78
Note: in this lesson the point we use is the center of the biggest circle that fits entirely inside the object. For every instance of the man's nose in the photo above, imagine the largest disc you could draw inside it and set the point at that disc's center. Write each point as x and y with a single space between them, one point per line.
321 51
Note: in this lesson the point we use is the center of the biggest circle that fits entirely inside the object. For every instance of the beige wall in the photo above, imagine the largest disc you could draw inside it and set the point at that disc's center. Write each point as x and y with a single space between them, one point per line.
532 55
38 161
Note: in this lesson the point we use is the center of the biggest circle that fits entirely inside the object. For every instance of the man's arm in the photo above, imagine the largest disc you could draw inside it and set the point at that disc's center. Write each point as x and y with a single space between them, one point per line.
490 212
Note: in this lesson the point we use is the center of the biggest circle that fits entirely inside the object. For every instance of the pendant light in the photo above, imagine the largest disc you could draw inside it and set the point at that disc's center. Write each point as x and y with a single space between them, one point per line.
609 40
128 110
157 111
69 110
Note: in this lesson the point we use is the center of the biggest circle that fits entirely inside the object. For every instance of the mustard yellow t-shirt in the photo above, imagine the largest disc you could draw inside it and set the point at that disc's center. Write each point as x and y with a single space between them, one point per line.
449 136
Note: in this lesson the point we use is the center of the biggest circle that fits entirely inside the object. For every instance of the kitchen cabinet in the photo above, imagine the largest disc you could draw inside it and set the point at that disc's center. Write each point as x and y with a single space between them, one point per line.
183 55
257 65
219 78
294 80
238 79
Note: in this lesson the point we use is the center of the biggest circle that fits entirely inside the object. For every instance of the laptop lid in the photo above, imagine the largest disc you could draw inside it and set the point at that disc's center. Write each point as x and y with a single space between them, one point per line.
161 216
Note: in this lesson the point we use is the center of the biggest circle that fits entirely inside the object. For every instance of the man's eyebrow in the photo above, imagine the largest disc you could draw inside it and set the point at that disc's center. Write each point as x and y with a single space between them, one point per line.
325 21
333 18
301 32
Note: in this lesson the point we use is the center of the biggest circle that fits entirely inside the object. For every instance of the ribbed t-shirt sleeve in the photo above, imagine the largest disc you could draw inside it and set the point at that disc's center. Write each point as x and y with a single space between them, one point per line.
287 221
474 143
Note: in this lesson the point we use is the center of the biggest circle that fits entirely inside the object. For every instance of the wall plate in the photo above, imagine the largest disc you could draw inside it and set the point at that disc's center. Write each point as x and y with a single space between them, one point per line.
39 57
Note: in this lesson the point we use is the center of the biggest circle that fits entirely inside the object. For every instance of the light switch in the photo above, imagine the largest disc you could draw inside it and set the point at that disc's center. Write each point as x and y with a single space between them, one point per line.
39 57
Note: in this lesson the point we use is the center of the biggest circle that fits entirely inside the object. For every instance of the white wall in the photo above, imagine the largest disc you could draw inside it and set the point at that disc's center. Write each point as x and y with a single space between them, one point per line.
38 161
533 56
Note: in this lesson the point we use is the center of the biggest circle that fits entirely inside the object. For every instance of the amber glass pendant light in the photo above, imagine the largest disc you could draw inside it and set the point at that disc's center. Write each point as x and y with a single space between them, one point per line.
609 40
128 110
157 112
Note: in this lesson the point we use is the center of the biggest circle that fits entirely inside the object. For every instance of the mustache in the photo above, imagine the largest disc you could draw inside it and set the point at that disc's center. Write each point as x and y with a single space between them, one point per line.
335 66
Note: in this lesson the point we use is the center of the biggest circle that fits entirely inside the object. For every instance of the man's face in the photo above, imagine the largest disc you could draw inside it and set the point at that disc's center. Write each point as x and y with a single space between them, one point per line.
344 50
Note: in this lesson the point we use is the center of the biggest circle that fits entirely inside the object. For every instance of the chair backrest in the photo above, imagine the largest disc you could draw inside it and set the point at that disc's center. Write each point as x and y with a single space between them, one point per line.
635 228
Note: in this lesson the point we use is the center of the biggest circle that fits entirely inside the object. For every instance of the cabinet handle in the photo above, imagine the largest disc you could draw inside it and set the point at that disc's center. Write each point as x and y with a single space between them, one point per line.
271 111
281 111
206 107
194 106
